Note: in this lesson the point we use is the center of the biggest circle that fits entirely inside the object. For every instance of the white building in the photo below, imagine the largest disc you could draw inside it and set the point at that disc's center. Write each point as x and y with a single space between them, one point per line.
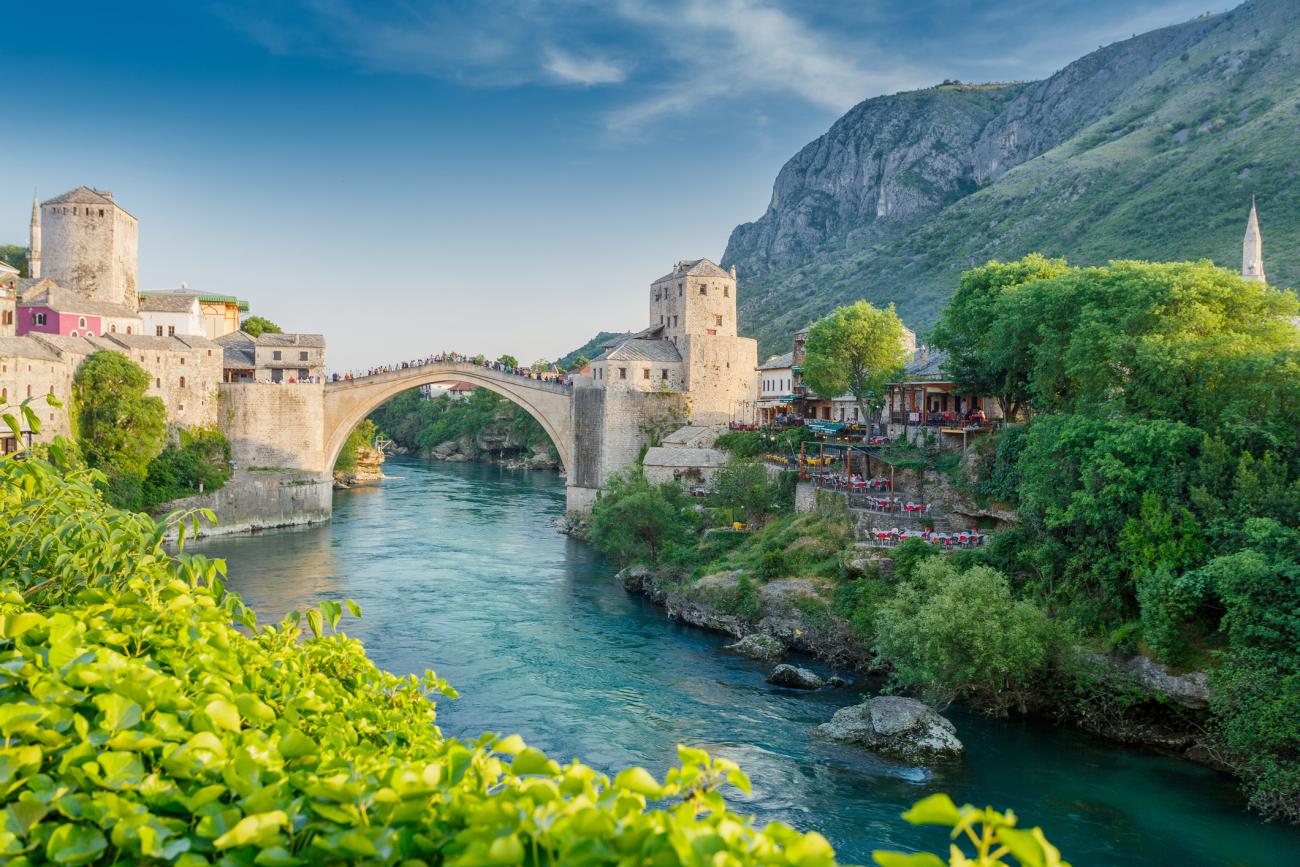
776 387
166 315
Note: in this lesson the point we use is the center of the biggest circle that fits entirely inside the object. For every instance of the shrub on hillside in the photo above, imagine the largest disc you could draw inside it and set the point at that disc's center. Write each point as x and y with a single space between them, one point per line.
637 522
956 634
199 459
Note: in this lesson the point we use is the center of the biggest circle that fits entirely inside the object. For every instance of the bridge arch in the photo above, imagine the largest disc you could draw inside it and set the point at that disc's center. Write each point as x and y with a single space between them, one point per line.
348 402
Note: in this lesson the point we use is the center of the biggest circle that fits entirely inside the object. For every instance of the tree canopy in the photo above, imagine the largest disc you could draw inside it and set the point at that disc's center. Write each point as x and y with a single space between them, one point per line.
119 428
256 326
856 350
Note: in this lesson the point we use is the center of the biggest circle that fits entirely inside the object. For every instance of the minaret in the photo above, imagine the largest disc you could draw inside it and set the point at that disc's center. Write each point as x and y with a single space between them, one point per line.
1252 249
34 252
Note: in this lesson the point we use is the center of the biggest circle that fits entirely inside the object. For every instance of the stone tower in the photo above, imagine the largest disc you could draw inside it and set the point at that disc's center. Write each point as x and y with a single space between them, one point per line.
91 245
1252 249
34 241
695 304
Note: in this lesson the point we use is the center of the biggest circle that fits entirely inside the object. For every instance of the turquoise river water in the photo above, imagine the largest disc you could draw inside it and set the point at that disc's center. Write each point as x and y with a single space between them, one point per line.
458 569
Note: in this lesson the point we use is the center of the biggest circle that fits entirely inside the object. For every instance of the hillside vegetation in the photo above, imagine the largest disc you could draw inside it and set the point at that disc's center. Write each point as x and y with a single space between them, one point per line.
1150 148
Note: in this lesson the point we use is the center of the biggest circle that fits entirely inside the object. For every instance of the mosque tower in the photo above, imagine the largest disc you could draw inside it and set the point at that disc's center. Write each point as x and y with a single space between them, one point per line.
1252 249
34 249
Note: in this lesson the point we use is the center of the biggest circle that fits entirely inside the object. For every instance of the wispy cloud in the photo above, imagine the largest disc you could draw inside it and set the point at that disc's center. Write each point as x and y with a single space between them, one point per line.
588 71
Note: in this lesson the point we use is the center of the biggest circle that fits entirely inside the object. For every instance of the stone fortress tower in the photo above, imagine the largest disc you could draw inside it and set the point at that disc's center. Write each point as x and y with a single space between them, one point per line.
1252 249
85 242
695 304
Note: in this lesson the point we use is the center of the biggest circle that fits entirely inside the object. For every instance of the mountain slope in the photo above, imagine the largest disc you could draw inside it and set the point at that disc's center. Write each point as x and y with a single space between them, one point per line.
1148 148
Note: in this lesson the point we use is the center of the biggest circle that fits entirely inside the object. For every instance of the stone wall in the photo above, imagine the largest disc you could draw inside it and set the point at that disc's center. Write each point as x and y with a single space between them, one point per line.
274 425
29 369
720 377
261 499
94 251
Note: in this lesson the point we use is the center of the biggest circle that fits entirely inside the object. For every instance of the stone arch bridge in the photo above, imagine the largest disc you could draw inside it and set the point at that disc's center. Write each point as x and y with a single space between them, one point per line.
298 429
349 401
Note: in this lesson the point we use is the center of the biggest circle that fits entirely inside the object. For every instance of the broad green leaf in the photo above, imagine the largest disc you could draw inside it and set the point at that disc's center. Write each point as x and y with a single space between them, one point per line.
937 809
640 781
223 714
257 828
533 761
117 712
904 859
74 843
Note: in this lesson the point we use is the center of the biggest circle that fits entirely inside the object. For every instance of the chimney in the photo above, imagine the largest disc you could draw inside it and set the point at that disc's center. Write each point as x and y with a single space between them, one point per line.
733 272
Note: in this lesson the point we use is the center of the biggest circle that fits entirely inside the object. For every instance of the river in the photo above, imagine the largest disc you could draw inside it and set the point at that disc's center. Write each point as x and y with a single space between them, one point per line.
458 569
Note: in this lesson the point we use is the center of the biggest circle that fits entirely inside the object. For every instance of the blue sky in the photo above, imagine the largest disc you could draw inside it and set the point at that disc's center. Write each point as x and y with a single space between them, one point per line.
407 176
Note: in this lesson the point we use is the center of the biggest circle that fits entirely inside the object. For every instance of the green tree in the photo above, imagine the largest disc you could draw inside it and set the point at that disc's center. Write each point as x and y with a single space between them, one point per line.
636 522
15 256
964 329
507 361
856 349
197 460
362 436
119 428
579 361
745 488
256 326
962 635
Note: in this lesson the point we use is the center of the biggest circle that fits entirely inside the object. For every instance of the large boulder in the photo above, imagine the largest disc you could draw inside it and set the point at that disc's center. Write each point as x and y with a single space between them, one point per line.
900 728
759 646
795 678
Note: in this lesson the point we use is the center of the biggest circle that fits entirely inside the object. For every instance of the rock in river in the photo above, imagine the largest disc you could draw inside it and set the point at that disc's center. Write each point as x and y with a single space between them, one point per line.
900 728
795 678
759 646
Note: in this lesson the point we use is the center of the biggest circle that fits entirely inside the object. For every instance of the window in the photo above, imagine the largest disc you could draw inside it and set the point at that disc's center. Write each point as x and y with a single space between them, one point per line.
663 374
182 382
29 391
704 289
679 290
74 334
171 330
157 383
302 374
717 320
182 359
128 329
112 329
101 212
661 319
622 373
158 330
81 322
674 322
712 332
726 291
4 395
302 356
275 355
38 318
9 317
645 374
656 296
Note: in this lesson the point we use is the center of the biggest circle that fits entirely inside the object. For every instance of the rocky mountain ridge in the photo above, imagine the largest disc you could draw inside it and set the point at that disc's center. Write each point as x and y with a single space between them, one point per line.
1147 148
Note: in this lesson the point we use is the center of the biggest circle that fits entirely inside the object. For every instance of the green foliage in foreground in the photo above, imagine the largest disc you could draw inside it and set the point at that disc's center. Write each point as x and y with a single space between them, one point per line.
147 716
637 522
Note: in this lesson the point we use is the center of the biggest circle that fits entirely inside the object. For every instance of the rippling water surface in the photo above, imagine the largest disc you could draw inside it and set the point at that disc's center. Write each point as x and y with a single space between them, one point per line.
458 569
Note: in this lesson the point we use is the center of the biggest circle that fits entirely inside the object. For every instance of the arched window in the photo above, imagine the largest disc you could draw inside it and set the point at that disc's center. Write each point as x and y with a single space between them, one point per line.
128 329
113 329
81 323
182 382
4 395
74 334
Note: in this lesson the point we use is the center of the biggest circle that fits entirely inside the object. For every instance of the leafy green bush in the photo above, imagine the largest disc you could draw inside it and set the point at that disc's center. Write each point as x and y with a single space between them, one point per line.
748 489
256 326
962 635
199 459
637 522
119 429
362 436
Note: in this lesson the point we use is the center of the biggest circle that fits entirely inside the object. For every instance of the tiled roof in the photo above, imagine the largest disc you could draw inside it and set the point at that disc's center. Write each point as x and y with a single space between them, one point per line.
175 343
696 268
926 362
658 456
46 293
211 297
25 347
778 362
84 196
166 302
305 340
238 350
640 349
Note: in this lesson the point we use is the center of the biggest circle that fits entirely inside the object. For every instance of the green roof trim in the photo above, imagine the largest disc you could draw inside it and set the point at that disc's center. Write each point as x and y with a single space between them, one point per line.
212 297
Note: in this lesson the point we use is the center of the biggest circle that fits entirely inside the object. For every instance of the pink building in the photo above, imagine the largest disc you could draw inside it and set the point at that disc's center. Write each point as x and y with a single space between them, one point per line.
47 308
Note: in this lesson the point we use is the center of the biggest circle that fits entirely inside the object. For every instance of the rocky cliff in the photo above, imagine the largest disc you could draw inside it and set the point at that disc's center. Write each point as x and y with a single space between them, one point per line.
1147 148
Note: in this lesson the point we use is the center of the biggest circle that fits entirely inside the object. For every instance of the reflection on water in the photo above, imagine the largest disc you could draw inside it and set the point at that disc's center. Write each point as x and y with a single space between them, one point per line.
458 569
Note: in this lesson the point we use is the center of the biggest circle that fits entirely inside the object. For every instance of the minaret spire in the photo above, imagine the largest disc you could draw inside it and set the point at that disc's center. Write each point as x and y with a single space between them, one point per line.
1252 248
34 248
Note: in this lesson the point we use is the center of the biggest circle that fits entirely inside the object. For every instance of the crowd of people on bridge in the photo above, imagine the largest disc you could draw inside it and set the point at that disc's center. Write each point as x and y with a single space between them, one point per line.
554 375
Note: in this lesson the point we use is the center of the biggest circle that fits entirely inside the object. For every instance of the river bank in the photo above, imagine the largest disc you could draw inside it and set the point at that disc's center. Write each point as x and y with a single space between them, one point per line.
457 568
